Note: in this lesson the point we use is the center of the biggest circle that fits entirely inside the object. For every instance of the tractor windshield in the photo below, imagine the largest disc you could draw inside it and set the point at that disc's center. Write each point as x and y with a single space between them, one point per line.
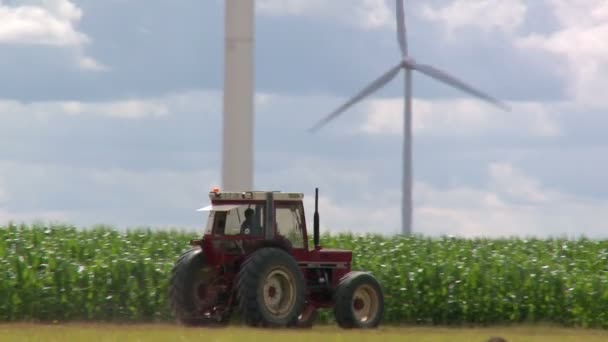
233 219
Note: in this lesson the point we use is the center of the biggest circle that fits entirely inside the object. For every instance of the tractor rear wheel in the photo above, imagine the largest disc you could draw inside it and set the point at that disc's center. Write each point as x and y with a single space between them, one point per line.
270 289
189 292
358 302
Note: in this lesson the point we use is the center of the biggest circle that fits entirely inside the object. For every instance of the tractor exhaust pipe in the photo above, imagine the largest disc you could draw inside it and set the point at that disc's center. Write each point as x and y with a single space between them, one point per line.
316 219
270 219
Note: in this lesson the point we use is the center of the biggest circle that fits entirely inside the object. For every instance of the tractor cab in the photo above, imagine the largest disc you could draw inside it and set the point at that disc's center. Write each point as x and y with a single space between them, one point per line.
240 222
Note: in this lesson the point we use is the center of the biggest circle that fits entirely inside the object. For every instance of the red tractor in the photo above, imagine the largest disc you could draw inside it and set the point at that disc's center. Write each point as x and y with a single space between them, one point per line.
254 258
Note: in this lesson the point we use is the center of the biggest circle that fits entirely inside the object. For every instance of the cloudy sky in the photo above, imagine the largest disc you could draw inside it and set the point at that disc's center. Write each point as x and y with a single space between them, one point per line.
110 112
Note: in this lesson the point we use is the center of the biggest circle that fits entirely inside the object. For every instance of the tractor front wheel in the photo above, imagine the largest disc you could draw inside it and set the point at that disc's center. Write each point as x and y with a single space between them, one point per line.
270 289
359 302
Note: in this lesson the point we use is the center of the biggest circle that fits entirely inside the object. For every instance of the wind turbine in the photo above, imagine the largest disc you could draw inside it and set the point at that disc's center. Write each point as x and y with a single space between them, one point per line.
408 65
238 118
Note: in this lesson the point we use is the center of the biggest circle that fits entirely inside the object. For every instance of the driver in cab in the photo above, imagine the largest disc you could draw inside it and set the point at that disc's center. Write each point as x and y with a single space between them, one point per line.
248 226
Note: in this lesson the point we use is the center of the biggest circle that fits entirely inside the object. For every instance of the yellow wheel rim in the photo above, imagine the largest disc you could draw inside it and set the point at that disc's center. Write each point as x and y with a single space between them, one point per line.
279 292
365 304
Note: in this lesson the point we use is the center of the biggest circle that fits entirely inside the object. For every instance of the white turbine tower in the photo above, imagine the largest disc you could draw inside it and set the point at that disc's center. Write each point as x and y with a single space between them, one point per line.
408 64
237 151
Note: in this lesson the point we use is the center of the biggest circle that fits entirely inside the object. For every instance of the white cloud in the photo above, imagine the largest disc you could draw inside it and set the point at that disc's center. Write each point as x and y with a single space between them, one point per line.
581 41
63 9
52 22
579 38
511 204
290 7
579 12
129 109
121 109
487 15
88 196
374 14
491 212
461 117
517 187
48 23
174 189
359 219
88 63
366 14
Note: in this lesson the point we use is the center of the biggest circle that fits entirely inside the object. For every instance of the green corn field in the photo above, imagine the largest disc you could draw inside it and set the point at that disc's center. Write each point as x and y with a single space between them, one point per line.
64 273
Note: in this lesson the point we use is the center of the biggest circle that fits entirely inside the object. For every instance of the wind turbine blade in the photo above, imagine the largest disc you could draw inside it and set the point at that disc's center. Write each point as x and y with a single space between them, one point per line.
453 81
372 87
401 31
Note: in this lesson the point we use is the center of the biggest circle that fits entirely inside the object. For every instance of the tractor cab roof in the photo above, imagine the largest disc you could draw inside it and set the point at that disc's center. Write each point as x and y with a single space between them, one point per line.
217 195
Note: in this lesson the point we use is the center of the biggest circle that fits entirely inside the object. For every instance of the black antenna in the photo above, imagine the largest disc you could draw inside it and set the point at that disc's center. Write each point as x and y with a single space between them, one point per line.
316 218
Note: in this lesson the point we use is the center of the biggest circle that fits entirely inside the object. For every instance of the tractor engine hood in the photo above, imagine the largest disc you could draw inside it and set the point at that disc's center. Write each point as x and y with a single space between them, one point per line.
333 255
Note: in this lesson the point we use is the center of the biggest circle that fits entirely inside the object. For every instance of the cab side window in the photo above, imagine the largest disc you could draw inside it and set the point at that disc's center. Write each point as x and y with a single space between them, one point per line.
289 225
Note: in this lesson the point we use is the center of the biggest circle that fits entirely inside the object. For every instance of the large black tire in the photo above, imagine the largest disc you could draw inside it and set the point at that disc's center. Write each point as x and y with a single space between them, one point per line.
270 276
358 301
188 272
